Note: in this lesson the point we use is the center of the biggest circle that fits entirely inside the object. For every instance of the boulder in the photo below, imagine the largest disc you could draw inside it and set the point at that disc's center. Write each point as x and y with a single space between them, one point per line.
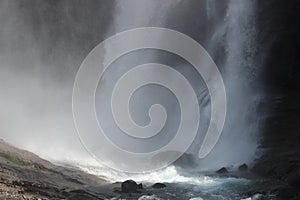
223 170
158 185
130 186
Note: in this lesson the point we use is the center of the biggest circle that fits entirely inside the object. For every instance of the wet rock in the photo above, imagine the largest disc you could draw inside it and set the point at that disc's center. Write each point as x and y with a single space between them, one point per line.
223 170
158 185
243 167
130 186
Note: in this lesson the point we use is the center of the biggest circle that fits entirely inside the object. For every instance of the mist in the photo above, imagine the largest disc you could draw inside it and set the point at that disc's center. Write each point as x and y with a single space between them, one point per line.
42 44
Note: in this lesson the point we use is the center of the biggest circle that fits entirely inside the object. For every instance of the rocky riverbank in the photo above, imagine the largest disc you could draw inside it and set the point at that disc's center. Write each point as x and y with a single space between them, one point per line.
24 175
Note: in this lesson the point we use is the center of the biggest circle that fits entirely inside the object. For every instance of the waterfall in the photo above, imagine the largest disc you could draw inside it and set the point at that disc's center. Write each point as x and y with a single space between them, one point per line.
50 54
235 34
227 31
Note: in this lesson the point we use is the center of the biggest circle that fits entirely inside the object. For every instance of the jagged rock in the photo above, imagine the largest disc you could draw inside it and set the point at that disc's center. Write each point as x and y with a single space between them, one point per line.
130 186
243 167
158 185
223 170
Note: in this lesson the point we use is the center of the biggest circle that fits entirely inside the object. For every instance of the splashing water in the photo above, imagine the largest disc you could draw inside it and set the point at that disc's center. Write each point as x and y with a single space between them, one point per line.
167 175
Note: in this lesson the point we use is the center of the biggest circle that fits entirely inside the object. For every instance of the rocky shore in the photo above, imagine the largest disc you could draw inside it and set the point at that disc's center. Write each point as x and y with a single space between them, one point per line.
24 175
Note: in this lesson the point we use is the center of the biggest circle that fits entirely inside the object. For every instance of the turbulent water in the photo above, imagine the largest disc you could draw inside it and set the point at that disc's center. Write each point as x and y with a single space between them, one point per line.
189 185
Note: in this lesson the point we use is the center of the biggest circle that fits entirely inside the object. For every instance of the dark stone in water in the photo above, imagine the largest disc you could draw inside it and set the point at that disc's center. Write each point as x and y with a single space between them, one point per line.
223 170
158 185
130 186
243 167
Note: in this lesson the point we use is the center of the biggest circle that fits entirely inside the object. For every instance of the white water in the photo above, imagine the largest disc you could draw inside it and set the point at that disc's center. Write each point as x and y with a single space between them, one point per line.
193 186
167 175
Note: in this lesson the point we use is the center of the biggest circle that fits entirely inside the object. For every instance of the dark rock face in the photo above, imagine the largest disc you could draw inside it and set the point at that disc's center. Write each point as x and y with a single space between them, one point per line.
279 39
158 185
277 24
223 170
243 167
279 42
288 193
278 166
130 186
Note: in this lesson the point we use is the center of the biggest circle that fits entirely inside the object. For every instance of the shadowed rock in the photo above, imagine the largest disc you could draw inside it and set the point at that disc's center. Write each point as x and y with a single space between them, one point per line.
158 185
223 170
130 186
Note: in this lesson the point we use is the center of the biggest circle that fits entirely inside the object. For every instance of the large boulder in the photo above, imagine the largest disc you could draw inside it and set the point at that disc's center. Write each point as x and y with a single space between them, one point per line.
158 185
130 186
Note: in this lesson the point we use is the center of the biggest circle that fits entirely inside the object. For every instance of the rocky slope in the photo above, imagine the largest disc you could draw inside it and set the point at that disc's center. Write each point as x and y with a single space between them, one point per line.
24 175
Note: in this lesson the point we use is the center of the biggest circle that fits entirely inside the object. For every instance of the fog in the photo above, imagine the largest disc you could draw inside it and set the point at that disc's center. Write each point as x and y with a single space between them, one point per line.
43 43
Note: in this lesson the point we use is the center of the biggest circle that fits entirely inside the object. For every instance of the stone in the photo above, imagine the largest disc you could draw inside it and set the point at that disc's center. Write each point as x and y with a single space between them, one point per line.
223 170
158 185
130 186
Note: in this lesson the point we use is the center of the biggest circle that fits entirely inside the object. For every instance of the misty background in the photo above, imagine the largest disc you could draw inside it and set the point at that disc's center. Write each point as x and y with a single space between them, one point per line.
42 44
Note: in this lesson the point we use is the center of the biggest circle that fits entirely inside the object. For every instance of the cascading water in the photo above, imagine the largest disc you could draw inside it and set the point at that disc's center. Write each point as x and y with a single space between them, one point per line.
232 44
227 31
